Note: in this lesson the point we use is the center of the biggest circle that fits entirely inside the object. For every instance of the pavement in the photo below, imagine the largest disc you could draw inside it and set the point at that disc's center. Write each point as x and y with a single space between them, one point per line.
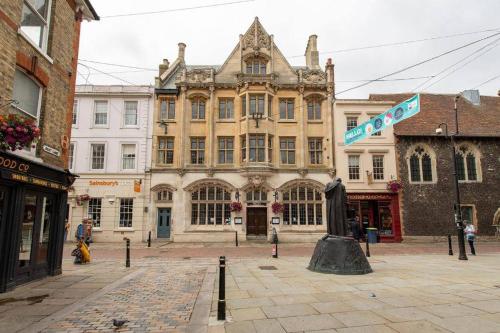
414 288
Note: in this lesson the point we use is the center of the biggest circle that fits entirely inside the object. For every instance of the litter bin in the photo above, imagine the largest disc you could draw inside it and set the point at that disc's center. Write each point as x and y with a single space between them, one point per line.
372 235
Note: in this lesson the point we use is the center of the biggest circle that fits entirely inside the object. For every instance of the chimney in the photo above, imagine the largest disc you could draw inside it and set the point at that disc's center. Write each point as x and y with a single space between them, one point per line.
182 49
312 55
163 66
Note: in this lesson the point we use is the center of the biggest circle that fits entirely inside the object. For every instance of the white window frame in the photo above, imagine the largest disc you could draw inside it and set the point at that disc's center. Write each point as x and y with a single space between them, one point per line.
94 114
125 113
40 93
131 213
45 34
105 156
121 155
75 113
383 167
360 179
72 165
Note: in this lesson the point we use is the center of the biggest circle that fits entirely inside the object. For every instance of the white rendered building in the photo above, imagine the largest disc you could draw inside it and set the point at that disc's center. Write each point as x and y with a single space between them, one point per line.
110 151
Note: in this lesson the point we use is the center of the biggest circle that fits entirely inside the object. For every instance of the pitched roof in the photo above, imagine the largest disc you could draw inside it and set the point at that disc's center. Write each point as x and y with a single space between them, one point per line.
475 121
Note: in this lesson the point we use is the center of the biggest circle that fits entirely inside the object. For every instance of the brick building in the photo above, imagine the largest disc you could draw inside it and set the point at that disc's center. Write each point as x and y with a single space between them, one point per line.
39 42
426 167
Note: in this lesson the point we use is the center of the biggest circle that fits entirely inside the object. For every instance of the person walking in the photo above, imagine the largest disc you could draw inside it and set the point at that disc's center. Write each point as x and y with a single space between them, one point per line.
470 234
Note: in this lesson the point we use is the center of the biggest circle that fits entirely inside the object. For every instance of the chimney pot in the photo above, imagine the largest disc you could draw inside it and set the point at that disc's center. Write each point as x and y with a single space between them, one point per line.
182 49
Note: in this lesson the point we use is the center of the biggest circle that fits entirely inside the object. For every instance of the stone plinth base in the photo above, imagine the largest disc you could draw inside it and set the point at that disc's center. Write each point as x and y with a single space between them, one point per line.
339 255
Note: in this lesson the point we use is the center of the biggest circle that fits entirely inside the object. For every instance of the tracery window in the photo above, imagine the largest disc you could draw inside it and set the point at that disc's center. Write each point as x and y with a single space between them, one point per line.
198 109
302 206
210 205
467 163
420 164
256 197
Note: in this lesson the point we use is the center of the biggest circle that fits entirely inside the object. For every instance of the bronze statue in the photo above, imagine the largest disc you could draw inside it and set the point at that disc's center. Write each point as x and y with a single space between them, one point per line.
336 208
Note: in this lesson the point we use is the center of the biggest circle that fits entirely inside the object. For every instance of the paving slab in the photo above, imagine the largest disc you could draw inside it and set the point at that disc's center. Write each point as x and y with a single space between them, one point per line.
367 329
268 326
288 310
312 322
247 314
419 326
359 318
491 306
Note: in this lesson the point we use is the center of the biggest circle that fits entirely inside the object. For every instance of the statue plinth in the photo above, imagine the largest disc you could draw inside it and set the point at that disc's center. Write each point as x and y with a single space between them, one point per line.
339 255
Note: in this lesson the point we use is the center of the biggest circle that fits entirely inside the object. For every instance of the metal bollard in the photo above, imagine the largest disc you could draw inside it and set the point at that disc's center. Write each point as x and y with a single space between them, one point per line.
127 260
149 239
275 243
236 238
367 247
221 304
450 250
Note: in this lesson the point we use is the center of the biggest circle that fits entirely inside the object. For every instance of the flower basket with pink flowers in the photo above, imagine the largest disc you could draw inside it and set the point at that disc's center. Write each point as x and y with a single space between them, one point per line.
394 186
236 206
277 207
17 132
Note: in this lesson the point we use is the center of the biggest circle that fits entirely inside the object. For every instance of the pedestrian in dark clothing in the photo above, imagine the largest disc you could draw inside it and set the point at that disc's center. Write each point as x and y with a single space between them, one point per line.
356 230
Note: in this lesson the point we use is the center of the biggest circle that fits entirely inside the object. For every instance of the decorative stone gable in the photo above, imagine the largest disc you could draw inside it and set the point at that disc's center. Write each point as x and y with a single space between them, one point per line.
256 37
314 76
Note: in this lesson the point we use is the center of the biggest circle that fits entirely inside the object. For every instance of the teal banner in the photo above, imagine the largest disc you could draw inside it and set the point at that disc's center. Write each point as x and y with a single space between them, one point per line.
390 117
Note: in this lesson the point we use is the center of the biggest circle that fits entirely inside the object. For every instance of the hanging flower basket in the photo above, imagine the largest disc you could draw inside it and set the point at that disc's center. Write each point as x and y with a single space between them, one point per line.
277 207
17 132
236 206
82 198
394 186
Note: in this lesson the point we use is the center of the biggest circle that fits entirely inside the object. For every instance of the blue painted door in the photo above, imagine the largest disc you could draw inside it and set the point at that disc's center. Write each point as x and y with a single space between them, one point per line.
164 223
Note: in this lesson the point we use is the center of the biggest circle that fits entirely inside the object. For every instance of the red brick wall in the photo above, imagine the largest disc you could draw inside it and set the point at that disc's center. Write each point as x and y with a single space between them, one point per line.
58 77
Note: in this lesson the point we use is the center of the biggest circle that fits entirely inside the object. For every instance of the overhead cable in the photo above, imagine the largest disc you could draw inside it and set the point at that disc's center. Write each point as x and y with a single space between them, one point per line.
419 63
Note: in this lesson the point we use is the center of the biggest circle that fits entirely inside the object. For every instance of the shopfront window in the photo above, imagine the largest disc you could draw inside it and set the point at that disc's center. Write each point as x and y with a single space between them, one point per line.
385 218
374 214
43 238
302 206
27 229
210 205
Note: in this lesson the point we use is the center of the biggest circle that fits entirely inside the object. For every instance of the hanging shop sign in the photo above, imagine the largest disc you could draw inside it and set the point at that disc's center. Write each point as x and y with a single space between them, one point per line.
400 112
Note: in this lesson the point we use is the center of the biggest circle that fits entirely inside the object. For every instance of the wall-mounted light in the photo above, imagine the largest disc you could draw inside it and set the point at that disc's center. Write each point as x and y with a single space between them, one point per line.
257 116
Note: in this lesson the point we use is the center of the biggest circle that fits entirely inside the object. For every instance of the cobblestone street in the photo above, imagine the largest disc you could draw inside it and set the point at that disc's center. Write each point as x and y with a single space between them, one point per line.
406 293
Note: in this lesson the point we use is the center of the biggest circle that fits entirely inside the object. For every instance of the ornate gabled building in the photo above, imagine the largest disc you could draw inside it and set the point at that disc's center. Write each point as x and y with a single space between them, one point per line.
229 141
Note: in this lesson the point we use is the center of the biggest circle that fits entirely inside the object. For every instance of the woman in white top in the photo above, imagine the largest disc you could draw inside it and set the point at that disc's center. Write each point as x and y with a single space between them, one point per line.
470 234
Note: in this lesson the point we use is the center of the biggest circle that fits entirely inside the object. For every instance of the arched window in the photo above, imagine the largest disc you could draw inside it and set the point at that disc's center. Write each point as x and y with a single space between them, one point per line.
467 163
164 195
210 205
198 108
421 165
256 66
302 206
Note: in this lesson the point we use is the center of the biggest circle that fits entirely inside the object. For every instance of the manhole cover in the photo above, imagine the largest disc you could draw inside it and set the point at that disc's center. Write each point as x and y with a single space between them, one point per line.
268 268
186 258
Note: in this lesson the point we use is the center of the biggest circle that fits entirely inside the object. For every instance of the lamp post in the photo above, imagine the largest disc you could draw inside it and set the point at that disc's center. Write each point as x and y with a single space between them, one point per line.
256 116
457 210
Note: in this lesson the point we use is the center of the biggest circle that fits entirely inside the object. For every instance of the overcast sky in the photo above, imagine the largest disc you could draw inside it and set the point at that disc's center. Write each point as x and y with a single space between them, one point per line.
212 33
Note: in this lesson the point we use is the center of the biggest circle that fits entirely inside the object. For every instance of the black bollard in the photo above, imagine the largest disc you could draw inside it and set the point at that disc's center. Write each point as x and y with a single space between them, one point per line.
367 247
127 260
275 243
149 239
450 250
236 238
221 304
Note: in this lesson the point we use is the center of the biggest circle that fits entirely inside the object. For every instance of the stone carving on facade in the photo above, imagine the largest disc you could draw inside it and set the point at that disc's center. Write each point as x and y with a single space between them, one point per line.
302 172
210 172
256 180
314 76
199 75
332 173
181 172
256 39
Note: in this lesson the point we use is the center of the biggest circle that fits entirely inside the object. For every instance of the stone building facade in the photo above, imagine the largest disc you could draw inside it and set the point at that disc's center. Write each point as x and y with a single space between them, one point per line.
367 166
39 42
251 132
110 150
426 167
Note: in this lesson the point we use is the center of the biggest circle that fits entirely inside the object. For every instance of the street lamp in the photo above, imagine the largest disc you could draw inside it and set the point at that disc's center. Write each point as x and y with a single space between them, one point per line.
458 211
256 116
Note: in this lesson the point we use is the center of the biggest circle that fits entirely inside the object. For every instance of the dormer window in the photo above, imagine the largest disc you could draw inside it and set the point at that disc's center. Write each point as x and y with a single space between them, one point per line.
256 66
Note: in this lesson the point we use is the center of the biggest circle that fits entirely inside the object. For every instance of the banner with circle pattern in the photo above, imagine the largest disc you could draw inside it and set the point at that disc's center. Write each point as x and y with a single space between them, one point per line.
400 112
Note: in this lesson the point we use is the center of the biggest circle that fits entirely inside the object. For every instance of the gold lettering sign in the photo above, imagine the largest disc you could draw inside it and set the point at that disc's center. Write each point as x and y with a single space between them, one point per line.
369 197
103 183
8 163
37 181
